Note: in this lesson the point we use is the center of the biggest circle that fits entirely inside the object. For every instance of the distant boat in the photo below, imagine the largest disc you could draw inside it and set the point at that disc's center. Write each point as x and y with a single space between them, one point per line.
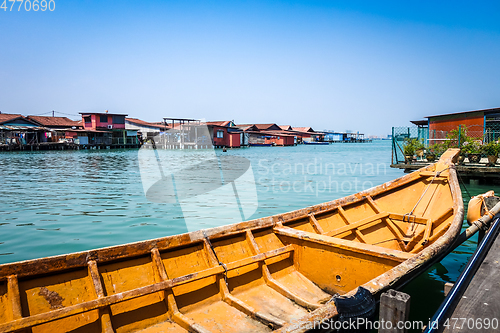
282 272
315 143
260 144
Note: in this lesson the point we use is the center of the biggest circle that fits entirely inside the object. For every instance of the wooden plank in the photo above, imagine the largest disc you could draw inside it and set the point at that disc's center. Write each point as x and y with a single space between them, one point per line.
371 250
241 306
480 300
315 224
259 257
394 308
427 233
346 220
400 217
412 245
430 174
14 297
188 324
447 288
159 269
254 247
271 281
102 302
355 225
105 301
372 204
104 313
390 224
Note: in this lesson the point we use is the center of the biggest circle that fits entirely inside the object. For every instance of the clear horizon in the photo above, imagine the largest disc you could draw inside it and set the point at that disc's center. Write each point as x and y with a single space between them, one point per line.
343 65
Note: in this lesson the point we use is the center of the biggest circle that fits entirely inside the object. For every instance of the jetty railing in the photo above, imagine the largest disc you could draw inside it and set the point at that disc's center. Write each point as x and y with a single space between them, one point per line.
480 140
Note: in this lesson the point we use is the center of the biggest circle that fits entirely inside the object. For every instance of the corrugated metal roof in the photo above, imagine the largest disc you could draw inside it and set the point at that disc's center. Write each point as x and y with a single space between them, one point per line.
145 123
303 129
4 117
486 111
223 123
22 128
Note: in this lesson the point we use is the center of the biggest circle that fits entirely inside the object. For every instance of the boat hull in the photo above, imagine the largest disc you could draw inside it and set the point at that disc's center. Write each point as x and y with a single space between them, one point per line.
275 273
315 143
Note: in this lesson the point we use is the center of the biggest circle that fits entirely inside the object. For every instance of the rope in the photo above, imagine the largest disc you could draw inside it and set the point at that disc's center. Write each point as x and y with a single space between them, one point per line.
215 253
463 184
410 214
426 188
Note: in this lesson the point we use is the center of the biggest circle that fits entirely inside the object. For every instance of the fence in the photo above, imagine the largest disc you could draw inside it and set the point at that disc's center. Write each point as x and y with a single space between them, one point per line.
470 139
130 140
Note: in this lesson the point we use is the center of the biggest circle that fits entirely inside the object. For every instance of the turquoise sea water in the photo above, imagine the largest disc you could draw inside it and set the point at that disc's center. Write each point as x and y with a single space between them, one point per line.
56 202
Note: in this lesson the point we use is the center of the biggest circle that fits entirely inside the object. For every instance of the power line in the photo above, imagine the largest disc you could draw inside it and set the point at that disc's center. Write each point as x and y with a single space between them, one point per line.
41 113
51 112
68 114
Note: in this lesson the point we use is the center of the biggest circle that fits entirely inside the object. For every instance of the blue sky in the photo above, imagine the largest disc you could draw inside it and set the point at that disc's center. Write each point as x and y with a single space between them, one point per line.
341 65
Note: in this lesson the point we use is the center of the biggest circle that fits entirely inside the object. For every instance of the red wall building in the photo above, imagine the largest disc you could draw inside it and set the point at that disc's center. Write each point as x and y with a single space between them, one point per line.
281 140
474 121
103 121
223 135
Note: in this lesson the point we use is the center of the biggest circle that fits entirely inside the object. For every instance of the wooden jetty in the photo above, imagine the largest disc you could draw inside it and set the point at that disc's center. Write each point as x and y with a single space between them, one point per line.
466 171
350 141
62 146
472 303
480 303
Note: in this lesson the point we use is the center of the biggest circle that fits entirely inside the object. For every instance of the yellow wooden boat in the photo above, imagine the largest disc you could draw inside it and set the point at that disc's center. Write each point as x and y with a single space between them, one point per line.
275 273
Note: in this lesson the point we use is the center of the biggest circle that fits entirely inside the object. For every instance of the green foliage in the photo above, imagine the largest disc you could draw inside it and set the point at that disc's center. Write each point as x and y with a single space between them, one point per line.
491 149
438 148
457 137
471 147
412 145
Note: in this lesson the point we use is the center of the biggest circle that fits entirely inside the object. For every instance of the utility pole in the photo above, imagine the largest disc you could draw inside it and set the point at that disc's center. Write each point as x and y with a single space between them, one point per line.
53 113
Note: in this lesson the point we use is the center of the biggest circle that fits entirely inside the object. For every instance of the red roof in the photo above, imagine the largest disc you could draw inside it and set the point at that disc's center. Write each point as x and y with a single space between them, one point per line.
247 127
140 122
260 127
303 129
219 123
278 133
54 121
5 117
286 127
105 113
266 126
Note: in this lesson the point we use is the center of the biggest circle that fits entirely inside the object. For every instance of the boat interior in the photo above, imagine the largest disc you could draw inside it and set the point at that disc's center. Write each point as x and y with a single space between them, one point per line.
256 276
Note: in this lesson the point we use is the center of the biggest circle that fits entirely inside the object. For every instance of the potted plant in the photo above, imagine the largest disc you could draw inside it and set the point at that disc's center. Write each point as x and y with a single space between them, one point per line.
419 148
458 138
472 148
409 149
435 150
491 150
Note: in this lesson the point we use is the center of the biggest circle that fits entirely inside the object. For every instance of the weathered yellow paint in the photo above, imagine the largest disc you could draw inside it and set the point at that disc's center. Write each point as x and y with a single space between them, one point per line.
256 276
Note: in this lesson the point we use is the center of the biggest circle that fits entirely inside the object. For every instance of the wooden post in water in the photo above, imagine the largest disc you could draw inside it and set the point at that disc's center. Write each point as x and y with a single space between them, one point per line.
447 288
394 308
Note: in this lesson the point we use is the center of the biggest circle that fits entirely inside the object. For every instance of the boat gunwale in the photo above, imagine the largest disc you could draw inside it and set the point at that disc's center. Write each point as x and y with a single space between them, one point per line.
75 260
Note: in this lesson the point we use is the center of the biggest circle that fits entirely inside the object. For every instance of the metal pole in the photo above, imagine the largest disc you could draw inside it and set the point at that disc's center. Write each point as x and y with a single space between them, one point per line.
393 149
